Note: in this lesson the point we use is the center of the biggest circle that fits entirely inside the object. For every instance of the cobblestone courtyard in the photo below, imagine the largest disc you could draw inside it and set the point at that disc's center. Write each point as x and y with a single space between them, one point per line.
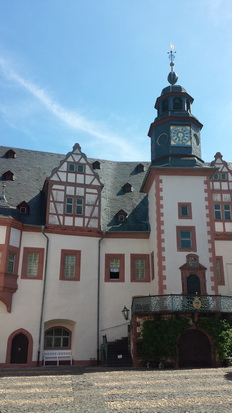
109 390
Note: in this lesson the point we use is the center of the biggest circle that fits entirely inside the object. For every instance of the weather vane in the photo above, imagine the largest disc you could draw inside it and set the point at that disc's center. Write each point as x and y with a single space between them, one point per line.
171 56
172 77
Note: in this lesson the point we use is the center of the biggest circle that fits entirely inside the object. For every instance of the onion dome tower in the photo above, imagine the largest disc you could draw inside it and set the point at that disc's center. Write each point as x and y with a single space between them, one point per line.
175 132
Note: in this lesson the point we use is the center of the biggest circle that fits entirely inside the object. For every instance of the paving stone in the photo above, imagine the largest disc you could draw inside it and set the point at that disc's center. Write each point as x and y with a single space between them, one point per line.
100 390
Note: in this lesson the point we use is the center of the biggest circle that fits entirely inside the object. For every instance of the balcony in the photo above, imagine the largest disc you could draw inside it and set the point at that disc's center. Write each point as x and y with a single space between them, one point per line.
174 303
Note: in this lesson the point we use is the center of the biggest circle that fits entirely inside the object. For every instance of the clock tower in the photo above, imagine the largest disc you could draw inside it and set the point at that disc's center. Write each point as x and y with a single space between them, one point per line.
175 132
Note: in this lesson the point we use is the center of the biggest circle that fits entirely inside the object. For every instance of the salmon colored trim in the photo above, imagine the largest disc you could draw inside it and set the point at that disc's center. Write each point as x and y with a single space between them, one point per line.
30 347
193 238
211 232
160 235
133 258
223 236
11 223
109 257
222 282
77 254
26 251
154 171
189 207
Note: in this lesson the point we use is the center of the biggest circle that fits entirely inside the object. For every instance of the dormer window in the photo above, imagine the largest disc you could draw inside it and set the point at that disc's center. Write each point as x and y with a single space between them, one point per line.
71 167
140 167
81 168
96 165
224 176
165 105
121 216
127 187
8 176
177 103
23 208
10 154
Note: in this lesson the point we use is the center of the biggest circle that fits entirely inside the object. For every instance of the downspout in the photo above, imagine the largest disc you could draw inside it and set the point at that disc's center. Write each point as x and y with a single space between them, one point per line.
43 296
98 297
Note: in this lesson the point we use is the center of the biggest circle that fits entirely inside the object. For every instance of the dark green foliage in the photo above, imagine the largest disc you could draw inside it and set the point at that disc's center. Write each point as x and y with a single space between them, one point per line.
159 339
221 333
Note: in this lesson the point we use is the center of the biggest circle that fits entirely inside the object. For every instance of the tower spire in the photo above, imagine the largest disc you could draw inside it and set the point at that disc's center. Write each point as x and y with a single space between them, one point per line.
172 77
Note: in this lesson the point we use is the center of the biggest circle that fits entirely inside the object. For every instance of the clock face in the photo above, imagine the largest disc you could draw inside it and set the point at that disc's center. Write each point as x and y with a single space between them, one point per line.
180 135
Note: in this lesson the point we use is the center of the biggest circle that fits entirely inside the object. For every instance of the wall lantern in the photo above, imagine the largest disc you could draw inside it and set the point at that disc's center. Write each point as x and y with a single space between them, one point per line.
125 312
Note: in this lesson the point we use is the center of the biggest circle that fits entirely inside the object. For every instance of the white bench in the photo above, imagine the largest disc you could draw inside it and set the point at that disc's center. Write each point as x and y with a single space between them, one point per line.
57 355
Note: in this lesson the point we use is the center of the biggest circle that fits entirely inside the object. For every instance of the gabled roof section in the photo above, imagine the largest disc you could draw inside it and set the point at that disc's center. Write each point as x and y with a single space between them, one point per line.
220 163
75 169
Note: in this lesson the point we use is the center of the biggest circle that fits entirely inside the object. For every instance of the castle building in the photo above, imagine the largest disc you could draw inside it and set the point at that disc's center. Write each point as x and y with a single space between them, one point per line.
82 239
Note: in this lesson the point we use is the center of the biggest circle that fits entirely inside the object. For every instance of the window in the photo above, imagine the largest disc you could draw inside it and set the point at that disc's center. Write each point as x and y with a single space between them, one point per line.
121 216
219 271
216 176
11 263
217 211
70 265
114 267
184 210
186 239
71 167
165 105
222 211
140 268
81 168
57 338
177 103
227 212
69 206
32 266
24 208
79 206
224 176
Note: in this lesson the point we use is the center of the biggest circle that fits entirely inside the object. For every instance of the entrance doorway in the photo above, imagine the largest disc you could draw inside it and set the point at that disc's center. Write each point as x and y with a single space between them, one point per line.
19 349
194 349
193 285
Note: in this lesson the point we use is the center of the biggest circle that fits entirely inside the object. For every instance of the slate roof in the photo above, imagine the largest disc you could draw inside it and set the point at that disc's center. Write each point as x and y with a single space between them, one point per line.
31 168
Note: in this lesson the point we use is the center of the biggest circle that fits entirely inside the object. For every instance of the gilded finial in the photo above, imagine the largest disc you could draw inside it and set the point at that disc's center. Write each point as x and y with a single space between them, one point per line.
172 77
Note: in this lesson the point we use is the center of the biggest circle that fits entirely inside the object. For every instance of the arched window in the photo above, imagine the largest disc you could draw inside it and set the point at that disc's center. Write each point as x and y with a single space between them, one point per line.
57 337
165 105
177 103
188 107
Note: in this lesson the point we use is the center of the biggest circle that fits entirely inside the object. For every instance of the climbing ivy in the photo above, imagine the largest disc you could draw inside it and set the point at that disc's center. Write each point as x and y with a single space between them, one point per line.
221 333
159 339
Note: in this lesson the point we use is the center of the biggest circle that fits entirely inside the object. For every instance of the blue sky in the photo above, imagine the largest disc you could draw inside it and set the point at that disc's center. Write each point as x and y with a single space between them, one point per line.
89 71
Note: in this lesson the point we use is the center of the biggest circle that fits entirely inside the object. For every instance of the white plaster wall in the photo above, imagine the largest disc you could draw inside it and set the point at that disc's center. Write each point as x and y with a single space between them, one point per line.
2 235
74 300
114 295
26 303
153 234
184 189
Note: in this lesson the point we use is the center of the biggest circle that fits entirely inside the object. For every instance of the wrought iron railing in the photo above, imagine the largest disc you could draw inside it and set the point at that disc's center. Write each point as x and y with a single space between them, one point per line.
104 350
182 303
